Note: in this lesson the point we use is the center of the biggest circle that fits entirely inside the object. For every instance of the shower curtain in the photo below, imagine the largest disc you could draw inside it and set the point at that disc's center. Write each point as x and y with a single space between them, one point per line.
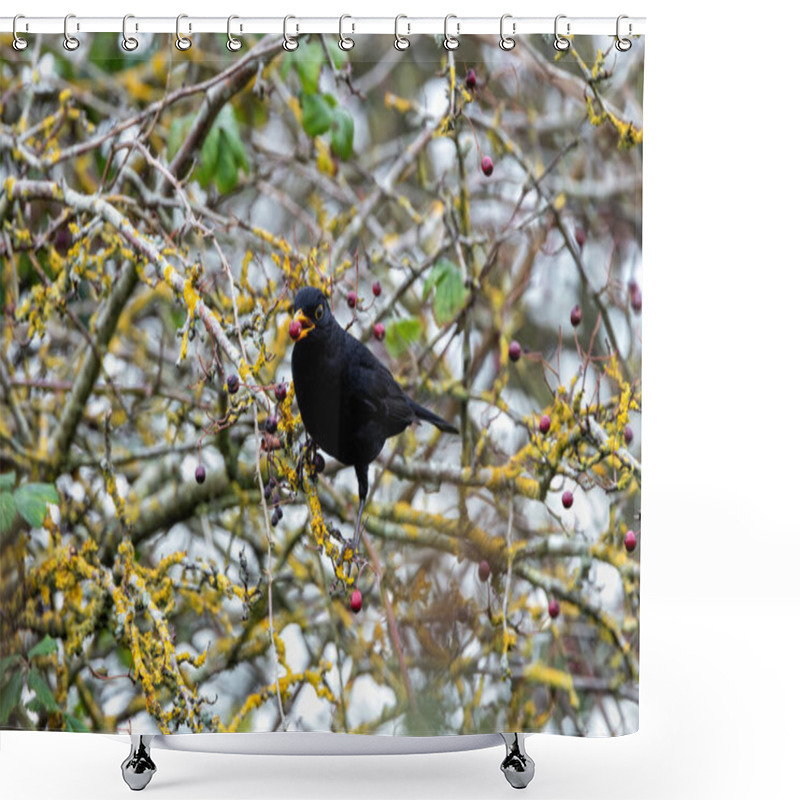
177 553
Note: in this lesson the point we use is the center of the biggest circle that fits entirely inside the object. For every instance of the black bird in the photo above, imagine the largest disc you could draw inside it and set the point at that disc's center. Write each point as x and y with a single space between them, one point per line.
349 402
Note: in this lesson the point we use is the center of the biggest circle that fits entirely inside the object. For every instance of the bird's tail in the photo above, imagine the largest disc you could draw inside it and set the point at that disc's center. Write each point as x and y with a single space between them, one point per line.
435 419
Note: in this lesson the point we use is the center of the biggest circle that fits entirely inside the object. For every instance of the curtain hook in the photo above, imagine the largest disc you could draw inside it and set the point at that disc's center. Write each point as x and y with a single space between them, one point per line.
181 42
507 42
561 43
451 42
70 42
401 42
345 42
289 42
19 44
129 43
233 43
623 45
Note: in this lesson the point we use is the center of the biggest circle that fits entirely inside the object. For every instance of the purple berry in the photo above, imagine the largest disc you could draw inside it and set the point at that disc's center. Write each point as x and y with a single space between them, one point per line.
200 474
514 350
355 601
628 434
352 299
280 392
487 165
471 80
377 288
484 571
319 463
630 541
580 237
553 608
636 296
233 383
567 499
379 331
271 425
575 316
544 423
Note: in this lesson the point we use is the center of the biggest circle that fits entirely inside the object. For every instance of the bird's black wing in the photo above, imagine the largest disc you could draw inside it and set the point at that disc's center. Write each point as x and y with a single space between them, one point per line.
375 393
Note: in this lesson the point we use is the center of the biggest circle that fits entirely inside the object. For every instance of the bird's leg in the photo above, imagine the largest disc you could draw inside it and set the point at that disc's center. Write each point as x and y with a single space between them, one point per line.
362 474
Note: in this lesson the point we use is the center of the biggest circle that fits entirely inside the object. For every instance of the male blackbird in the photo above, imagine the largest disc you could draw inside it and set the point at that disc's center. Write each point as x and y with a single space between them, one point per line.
349 402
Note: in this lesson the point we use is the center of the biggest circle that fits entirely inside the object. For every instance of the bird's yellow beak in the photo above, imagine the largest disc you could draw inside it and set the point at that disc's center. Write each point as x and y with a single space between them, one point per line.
306 325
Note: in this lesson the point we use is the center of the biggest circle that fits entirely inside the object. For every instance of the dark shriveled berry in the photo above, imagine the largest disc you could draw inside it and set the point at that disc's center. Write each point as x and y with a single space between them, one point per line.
636 296
553 608
319 463
277 516
484 571
567 499
487 166
628 434
575 316
630 541
200 474
356 601
271 425
471 80
352 299
233 383
580 237
514 350
544 423
281 391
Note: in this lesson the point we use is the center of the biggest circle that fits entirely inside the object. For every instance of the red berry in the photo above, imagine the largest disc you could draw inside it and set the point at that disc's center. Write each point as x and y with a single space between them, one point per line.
544 423
377 289
630 541
514 351
233 383
200 474
355 601
484 571
471 80
280 392
487 166
567 499
580 237
553 608
636 296
295 329
352 299
575 316
628 434
379 331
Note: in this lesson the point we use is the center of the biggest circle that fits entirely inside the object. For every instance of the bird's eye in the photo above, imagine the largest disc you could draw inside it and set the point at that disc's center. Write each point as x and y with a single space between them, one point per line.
319 312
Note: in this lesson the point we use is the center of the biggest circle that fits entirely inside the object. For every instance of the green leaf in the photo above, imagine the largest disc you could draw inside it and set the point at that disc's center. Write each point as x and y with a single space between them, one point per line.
208 157
31 500
10 695
400 334
6 663
450 295
7 480
227 171
7 512
308 65
44 648
37 683
317 114
75 725
342 130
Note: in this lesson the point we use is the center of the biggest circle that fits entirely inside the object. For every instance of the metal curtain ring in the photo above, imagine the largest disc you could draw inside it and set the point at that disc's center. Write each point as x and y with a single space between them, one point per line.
401 42
623 45
345 42
19 44
561 43
289 42
70 42
129 43
451 42
233 43
506 42
181 42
